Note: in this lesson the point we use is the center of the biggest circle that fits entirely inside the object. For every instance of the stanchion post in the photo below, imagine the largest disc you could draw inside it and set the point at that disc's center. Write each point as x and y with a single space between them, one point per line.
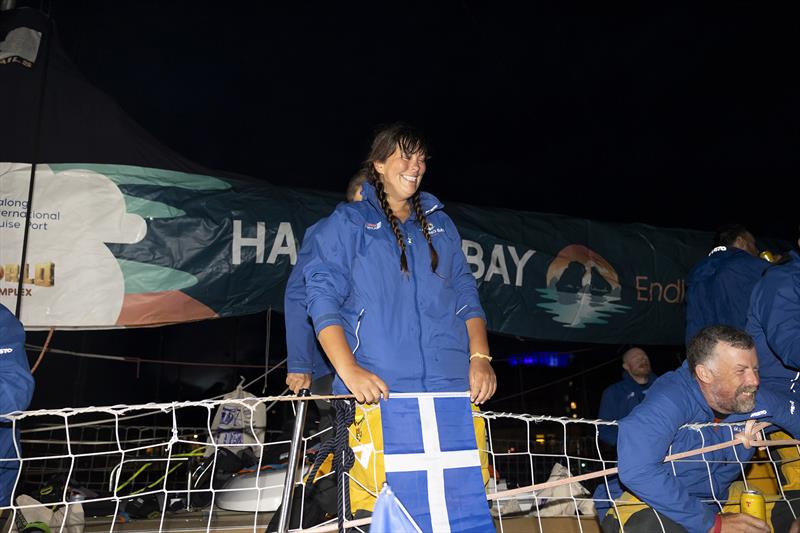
294 460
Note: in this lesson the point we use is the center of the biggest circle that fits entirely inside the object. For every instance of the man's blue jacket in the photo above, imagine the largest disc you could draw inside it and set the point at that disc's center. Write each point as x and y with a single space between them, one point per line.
303 354
617 401
653 430
16 389
718 289
774 323
408 328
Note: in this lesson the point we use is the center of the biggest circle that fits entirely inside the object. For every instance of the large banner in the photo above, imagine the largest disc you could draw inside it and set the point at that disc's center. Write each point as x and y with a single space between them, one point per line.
122 246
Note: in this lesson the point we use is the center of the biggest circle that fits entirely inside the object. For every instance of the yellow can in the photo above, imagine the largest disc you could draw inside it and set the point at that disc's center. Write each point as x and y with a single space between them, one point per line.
768 256
752 503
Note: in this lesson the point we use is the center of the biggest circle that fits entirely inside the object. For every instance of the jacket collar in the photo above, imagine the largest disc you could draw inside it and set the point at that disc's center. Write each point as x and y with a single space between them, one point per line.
696 393
430 203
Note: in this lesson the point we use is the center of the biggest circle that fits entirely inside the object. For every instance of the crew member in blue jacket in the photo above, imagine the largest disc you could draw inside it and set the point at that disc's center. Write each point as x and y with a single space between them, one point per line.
774 323
393 301
718 383
718 287
16 389
620 398
305 364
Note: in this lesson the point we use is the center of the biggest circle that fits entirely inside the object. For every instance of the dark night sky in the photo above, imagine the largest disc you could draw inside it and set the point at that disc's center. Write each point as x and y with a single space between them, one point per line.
674 117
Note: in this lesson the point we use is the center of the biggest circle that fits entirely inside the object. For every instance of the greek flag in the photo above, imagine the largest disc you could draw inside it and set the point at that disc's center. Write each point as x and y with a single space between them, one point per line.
432 461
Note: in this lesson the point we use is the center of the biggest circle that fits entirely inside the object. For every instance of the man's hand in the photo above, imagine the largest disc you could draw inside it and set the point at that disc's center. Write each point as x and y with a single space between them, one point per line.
296 381
742 523
482 381
795 528
363 384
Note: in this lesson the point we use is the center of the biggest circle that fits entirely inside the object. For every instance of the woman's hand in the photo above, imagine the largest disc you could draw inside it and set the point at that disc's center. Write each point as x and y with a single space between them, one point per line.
482 381
363 384
297 381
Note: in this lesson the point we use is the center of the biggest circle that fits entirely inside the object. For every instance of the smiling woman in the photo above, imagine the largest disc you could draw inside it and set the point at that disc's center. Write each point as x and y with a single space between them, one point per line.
395 168
392 298
369 314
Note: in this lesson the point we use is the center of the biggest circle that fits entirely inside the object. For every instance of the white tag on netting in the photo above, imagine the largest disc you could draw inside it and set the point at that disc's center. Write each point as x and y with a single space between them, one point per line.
241 423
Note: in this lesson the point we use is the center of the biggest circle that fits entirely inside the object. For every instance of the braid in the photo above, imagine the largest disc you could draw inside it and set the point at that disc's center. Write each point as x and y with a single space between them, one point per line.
423 222
389 215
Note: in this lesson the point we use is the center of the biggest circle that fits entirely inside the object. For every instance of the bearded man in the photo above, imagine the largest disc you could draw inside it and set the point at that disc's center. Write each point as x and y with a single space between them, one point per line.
718 383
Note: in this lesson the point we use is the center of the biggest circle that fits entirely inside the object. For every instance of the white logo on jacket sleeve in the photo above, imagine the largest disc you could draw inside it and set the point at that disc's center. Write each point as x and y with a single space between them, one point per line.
791 407
4 351
375 226
758 413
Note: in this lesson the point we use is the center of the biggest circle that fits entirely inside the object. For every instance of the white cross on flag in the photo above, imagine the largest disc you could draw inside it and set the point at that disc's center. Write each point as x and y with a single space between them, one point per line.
432 461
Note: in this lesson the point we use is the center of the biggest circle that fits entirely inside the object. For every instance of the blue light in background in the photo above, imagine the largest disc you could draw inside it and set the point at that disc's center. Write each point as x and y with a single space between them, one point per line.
545 359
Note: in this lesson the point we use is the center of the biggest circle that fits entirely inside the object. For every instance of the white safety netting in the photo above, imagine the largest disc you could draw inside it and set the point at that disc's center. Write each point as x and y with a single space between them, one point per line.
217 466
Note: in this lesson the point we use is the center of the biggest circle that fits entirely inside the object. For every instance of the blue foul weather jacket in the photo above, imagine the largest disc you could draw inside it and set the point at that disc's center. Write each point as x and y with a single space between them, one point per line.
16 389
718 289
774 323
303 354
408 328
651 432
617 401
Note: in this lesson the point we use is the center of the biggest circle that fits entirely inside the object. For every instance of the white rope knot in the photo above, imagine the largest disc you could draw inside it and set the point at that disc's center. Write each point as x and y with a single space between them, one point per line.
175 437
750 433
173 440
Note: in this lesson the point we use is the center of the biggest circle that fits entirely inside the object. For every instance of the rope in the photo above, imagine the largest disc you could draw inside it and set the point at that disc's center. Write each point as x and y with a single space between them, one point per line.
140 360
44 350
339 445
325 449
746 438
291 398
344 458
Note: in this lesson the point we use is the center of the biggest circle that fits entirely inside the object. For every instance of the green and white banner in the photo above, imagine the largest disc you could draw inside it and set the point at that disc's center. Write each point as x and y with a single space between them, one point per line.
124 246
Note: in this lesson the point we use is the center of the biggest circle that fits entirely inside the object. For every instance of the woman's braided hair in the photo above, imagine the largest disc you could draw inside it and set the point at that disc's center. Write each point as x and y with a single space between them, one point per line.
409 142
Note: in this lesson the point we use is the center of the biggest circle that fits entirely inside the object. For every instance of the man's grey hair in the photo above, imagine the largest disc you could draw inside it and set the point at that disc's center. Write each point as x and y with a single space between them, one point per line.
701 348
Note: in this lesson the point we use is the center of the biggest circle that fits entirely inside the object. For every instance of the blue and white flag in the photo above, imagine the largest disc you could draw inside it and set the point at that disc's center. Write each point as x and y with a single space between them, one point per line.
432 463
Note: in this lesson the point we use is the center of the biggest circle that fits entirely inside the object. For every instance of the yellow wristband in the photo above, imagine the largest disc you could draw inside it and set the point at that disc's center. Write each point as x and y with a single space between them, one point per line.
481 356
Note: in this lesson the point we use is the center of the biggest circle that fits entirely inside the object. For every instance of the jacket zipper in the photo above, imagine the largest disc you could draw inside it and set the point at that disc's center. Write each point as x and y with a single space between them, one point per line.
358 326
416 300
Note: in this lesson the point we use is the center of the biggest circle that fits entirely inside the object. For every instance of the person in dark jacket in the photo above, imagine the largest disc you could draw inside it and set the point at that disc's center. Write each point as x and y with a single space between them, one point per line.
620 398
16 390
718 287
392 298
718 383
617 401
773 321
305 364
